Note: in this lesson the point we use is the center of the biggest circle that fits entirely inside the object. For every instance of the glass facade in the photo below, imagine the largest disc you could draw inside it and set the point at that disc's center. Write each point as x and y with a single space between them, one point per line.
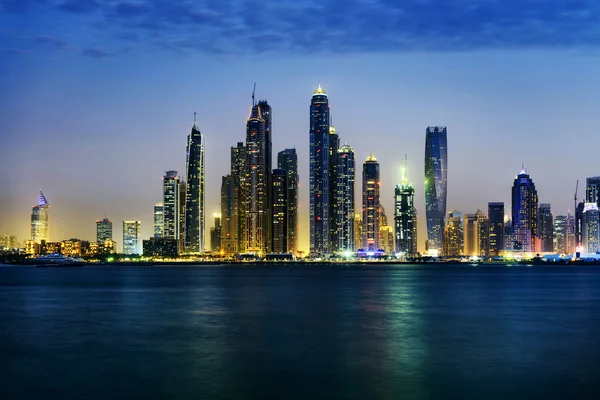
158 220
343 201
436 169
171 192
524 213
40 220
496 223
279 211
104 230
287 160
546 228
370 204
194 196
405 219
132 243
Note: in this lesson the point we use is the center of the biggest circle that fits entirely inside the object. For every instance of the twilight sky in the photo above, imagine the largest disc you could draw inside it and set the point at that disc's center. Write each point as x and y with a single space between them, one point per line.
99 95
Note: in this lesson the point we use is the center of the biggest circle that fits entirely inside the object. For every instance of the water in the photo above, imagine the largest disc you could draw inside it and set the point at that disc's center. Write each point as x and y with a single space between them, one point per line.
343 332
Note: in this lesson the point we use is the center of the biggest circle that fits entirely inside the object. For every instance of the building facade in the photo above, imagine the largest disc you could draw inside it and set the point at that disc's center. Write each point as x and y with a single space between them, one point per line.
561 234
287 160
471 235
591 228
405 218
171 205
371 205
215 234
545 228
104 230
483 226
454 235
496 223
132 243
279 210
159 213
40 220
436 172
524 213
343 201
592 190
194 196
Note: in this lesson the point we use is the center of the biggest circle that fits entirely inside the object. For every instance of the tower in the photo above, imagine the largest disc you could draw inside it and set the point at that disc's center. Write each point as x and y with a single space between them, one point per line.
159 212
436 172
104 230
194 196
370 204
405 217
131 237
171 205
591 228
40 220
319 171
287 160
279 216
343 201
545 227
592 190
524 213
454 235
496 222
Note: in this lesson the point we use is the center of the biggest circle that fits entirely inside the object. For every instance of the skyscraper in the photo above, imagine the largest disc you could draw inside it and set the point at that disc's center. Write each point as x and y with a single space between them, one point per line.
591 228
471 235
343 202
279 211
454 236
578 241
370 204
358 226
592 191
334 145
545 228
524 213
215 234
159 212
436 170
267 114
240 179
229 215
405 217
132 243
194 197
40 220
560 234
256 197
496 221
104 230
171 205
483 226
287 160
319 173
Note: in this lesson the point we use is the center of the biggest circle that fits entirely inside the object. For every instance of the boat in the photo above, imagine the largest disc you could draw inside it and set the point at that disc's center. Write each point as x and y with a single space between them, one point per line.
57 260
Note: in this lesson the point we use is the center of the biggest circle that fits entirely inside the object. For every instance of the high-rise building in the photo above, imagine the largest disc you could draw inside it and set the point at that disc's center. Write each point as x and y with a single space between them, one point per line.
561 234
524 213
257 227
436 172
545 228
471 235
570 234
279 209
194 196
483 226
40 220
578 241
239 184
334 145
229 215
287 160
215 234
181 238
496 223
358 231
267 114
592 191
171 205
370 204
591 228
342 218
159 213
132 243
104 230
319 191
454 235
405 217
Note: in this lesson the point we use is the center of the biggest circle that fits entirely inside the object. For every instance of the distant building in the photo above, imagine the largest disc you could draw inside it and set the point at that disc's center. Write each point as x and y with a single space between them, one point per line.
496 223
436 174
579 225
591 228
545 228
371 205
454 235
405 218
343 202
524 213
592 191
571 234
334 145
287 160
161 248
215 234
171 204
40 230
104 230
159 214
358 231
279 216
483 227
471 235
194 197
561 234
229 215
131 237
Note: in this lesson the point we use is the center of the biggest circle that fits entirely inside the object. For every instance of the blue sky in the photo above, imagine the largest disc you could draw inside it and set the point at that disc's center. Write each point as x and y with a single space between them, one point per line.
100 95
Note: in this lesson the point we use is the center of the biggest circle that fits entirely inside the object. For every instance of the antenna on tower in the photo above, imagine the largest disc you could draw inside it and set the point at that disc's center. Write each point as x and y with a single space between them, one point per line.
253 91
194 118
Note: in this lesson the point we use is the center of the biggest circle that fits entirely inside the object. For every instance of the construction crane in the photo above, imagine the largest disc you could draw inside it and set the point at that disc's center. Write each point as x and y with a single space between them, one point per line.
575 198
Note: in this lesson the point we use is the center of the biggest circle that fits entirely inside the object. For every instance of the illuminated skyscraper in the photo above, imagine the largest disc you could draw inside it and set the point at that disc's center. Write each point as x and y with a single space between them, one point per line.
343 201
171 205
591 228
159 212
287 160
578 241
132 243
483 226
357 231
524 213
104 230
215 234
229 215
256 194
279 211
194 197
436 170
592 191
239 182
319 191
40 220
370 204
471 235
267 114
560 234
454 236
334 145
496 222
545 228
405 217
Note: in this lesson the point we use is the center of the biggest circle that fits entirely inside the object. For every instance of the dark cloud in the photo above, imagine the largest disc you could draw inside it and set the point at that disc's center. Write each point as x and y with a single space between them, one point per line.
339 26
95 52
51 41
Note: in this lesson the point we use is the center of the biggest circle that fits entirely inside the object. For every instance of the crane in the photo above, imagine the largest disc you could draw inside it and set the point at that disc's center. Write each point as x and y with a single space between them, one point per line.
575 198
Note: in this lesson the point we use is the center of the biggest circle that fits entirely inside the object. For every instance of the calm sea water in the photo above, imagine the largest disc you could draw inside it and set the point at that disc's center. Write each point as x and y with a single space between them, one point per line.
343 332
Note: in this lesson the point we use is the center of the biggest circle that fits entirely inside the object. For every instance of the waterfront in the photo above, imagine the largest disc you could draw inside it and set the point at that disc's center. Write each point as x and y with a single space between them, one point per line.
379 331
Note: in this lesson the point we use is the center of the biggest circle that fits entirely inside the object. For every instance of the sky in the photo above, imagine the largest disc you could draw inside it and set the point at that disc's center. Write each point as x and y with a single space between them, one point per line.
98 97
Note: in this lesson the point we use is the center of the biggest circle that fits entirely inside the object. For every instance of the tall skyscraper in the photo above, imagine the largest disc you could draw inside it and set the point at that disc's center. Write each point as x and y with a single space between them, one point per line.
215 234
171 205
483 226
570 234
471 235
524 213
267 114
592 191
240 181
579 225
436 172
181 238
405 217
545 228
496 221
591 228
40 220
257 227
319 173
358 227
334 145
229 215
343 201
159 213
279 211
454 236
560 234
132 242
371 204
287 160
104 230
194 197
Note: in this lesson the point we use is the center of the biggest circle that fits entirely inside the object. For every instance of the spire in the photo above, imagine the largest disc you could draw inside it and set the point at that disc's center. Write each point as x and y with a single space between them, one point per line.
43 200
195 124
404 177
371 157
319 91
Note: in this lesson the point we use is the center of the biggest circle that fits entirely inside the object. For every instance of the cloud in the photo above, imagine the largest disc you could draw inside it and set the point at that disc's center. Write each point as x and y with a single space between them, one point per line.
335 26
95 52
